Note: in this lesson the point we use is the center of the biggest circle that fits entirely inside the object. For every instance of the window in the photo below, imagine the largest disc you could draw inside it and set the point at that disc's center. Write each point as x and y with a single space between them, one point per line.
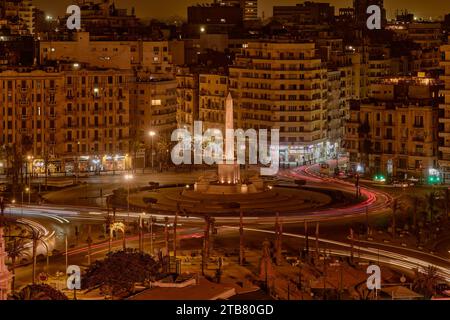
156 102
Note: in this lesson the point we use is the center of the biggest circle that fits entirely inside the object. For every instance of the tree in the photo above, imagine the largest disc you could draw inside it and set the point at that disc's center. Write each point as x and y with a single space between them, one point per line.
120 271
431 206
38 292
36 237
15 250
425 282
163 147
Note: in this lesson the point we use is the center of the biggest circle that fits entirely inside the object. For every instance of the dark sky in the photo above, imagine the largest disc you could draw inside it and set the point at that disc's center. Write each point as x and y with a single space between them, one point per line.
167 8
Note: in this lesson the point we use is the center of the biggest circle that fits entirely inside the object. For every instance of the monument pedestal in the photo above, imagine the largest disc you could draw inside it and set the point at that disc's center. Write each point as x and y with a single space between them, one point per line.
229 173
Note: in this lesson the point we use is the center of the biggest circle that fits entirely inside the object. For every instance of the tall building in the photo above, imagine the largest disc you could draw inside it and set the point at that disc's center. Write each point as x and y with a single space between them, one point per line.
5 275
305 13
18 15
213 90
282 85
394 132
444 117
188 98
249 8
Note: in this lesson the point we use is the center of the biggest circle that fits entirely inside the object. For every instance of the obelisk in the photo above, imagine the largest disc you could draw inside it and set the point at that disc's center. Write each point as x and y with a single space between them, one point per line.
229 125
229 172
5 275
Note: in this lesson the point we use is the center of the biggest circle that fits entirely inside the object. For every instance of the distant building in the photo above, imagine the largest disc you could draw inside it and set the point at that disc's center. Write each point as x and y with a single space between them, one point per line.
249 8
153 56
444 119
305 13
18 16
394 132
213 18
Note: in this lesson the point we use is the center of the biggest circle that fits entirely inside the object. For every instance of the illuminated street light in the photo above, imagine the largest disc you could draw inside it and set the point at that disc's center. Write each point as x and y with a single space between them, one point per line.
152 134
128 178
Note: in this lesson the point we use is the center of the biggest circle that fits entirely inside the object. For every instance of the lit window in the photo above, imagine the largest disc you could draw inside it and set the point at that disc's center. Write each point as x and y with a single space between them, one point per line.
156 102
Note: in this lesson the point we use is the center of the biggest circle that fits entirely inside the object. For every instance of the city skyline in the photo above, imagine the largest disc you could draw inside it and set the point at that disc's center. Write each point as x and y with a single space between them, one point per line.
153 9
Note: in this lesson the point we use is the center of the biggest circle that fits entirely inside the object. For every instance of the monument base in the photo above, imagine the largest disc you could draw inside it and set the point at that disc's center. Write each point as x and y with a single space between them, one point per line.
229 173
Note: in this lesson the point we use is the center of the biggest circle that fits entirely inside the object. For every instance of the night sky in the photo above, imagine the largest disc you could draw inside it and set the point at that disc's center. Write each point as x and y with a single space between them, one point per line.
168 8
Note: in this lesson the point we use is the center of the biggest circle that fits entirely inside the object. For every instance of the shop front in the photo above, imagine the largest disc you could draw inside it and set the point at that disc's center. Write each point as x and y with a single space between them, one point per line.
116 162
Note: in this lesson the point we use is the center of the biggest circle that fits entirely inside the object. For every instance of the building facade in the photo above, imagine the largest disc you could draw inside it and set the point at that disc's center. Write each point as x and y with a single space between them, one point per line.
394 133
444 117
282 85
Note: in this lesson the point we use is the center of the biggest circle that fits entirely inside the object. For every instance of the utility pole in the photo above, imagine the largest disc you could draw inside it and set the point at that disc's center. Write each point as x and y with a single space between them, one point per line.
367 222
394 208
175 235
151 235
166 235
351 245
89 241
277 240
241 238
212 233
206 235
306 241
317 240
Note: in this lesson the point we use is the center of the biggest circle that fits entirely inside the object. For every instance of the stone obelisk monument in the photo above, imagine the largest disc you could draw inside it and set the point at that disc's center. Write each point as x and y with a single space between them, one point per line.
5 275
229 171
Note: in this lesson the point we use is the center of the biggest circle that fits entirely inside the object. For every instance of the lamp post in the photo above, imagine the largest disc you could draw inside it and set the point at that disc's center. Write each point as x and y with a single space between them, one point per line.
128 178
152 134
30 175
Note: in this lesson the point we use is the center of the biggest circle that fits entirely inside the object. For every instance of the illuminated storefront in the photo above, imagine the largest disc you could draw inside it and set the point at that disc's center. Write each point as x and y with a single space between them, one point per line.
302 155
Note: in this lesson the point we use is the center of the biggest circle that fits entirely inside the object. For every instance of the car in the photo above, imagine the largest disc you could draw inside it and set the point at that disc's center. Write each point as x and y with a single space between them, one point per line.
402 184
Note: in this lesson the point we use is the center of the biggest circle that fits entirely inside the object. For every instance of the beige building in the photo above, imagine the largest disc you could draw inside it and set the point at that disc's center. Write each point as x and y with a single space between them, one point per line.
68 119
282 85
188 98
154 105
394 133
151 56
444 117
213 90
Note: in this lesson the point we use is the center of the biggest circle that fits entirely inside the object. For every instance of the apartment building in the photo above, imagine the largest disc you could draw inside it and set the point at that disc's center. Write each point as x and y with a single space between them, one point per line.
394 132
30 112
188 98
444 117
151 56
213 90
70 118
96 119
154 106
282 85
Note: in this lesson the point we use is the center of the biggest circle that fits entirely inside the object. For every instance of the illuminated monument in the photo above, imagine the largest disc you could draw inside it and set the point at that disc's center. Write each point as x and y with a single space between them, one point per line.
228 178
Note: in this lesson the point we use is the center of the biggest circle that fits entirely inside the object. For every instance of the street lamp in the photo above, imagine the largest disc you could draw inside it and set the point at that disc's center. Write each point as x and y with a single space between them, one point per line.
141 234
152 134
128 178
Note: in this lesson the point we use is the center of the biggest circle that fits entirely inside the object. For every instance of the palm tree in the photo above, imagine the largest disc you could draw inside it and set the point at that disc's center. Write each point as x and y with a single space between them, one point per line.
36 237
15 250
426 282
163 150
